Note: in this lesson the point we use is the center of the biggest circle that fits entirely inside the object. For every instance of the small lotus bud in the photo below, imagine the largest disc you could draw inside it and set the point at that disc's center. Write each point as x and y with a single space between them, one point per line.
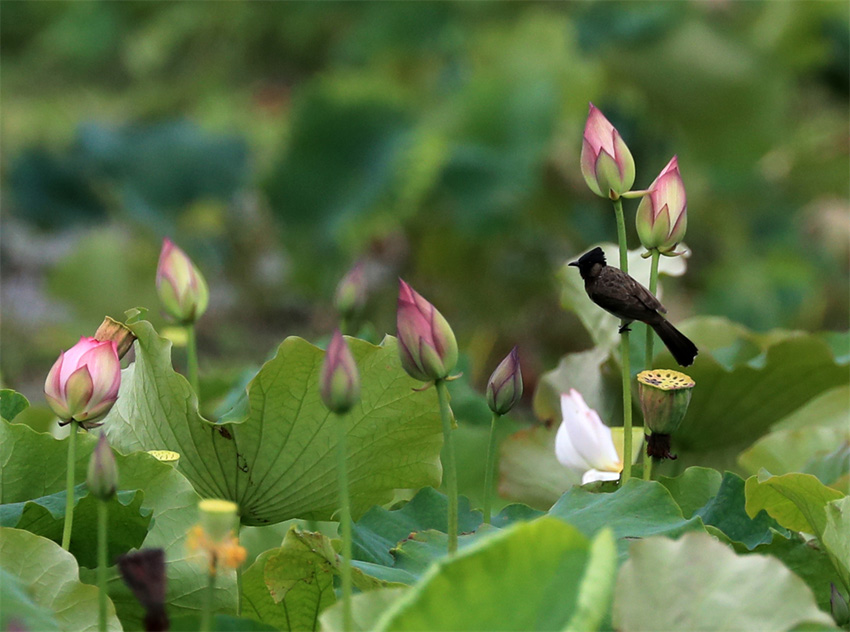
218 518
426 342
83 383
664 398
606 162
111 329
504 388
180 285
102 478
339 381
838 606
662 215
350 295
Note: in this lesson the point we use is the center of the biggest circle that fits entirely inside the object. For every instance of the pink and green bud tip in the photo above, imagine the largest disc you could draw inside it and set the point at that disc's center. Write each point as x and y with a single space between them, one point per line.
350 295
426 342
181 287
662 216
504 388
606 162
83 383
339 381
102 479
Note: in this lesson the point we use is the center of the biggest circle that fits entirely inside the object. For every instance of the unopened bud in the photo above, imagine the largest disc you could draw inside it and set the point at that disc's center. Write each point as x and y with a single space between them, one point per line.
426 342
504 388
350 295
339 381
180 285
102 479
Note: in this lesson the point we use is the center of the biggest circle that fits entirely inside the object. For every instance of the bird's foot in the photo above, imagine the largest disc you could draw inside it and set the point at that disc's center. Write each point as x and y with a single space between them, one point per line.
624 329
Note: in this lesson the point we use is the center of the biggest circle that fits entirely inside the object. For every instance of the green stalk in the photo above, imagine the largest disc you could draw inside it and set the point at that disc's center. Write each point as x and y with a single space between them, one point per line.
491 466
344 522
102 521
624 351
650 341
69 487
207 611
238 578
192 358
449 464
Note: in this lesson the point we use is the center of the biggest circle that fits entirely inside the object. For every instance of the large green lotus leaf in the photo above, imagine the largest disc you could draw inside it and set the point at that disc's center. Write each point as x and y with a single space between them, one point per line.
11 403
17 606
379 529
280 461
366 609
50 578
697 583
601 325
45 516
806 558
796 501
170 497
836 536
731 408
539 575
725 511
638 509
827 409
792 450
693 488
220 623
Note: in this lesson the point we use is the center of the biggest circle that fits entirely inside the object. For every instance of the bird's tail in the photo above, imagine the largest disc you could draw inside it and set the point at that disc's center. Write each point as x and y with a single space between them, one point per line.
680 346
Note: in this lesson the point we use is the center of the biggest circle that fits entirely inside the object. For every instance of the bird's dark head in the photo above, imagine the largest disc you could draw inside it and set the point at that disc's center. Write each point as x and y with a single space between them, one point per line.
590 263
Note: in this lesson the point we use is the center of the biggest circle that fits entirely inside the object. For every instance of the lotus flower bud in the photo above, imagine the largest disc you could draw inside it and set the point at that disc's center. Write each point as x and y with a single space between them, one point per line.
664 398
83 383
119 333
102 479
426 342
350 295
504 388
606 162
838 606
180 285
339 381
662 215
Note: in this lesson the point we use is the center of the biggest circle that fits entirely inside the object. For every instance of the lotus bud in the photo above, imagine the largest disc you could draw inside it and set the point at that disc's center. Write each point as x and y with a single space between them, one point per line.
339 381
664 398
180 285
662 215
838 606
119 333
350 295
102 478
504 388
83 383
606 162
426 342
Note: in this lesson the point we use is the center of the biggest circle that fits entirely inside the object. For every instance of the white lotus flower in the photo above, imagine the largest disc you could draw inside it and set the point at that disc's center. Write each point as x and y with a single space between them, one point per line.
584 443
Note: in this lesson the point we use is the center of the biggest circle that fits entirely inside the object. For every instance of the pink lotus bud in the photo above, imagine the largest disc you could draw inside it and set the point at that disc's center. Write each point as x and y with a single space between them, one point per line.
339 381
83 383
102 479
426 342
350 296
180 285
606 162
662 216
505 385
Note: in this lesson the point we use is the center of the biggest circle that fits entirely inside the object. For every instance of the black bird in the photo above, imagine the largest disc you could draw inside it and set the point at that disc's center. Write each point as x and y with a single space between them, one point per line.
619 294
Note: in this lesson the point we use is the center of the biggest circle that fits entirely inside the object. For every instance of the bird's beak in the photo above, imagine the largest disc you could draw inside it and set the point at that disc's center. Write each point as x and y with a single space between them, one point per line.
573 263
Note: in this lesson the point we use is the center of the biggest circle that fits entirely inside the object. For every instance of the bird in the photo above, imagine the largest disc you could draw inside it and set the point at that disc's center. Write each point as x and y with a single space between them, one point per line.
619 294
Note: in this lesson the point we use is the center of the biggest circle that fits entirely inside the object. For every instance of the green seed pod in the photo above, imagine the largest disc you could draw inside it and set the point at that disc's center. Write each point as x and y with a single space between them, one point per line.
664 398
218 518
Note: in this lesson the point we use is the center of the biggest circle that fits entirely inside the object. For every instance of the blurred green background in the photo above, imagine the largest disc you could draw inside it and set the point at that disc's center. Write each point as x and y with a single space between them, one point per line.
278 143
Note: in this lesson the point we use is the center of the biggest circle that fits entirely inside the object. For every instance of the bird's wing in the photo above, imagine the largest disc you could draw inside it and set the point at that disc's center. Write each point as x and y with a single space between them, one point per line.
646 297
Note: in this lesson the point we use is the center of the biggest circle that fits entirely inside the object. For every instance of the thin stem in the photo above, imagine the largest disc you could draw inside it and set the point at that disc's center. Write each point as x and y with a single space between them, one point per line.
650 342
192 358
69 487
344 522
238 578
624 351
449 463
207 611
102 521
491 466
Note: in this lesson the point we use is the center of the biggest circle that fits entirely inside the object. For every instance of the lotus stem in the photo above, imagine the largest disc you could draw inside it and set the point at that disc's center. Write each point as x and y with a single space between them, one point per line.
449 462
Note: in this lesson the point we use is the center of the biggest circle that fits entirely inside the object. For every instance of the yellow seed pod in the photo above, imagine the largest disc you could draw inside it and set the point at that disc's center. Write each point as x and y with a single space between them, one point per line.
218 518
166 456
664 398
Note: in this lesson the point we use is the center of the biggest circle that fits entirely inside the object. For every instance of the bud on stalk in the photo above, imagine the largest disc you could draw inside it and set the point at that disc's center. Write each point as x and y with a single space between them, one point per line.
180 285
426 342
606 162
339 381
504 389
102 478
350 295
662 215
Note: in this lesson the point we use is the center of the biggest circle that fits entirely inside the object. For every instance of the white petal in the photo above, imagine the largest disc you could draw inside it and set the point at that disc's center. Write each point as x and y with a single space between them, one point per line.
599 475
565 450
589 437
